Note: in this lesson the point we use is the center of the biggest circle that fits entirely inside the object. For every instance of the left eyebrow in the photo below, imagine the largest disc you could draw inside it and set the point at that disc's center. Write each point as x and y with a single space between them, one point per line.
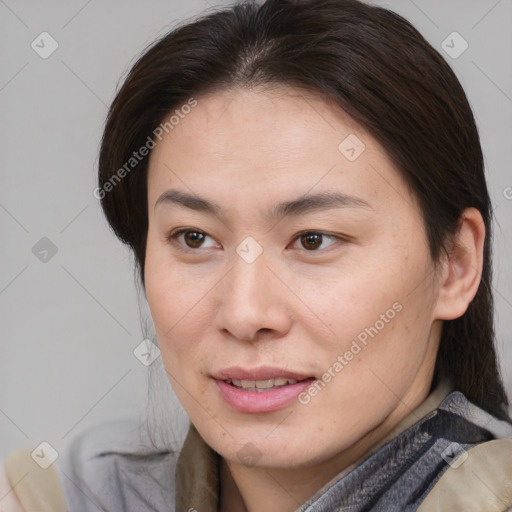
315 202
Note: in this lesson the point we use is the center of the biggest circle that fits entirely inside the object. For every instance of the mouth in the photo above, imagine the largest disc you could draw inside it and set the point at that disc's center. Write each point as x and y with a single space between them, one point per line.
262 386
260 390
261 375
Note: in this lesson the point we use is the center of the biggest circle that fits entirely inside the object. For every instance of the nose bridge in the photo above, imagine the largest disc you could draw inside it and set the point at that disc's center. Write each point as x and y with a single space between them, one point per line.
249 280
249 300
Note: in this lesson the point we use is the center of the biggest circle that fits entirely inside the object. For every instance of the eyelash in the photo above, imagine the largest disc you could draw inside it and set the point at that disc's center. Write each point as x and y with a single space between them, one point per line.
172 237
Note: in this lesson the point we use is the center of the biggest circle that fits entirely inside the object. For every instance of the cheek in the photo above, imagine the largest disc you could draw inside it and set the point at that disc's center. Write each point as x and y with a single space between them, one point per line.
167 290
178 313
395 339
358 300
385 310
165 299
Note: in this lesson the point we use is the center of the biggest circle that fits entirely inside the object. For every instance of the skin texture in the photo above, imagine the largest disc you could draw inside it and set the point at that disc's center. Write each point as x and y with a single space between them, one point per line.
294 308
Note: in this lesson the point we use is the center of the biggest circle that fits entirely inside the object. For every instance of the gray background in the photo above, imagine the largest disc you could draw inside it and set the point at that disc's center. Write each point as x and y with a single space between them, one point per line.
69 325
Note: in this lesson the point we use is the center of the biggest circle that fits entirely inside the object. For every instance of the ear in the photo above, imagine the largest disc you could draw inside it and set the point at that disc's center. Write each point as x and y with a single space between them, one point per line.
461 271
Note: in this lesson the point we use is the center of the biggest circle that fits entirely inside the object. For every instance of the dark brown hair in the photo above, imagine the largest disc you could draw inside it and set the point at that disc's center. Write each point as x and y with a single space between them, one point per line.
377 67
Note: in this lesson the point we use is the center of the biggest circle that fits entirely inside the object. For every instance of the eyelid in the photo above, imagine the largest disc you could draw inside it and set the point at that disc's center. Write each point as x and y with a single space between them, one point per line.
338 238
171 237
177 232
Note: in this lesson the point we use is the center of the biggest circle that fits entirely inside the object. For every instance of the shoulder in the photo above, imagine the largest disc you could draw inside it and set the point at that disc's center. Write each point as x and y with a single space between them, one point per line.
115 465
478 480
112 466
8 500
478 474
31 486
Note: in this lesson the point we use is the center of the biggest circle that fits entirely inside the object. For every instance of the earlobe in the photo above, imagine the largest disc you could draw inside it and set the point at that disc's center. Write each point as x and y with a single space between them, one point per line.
462 269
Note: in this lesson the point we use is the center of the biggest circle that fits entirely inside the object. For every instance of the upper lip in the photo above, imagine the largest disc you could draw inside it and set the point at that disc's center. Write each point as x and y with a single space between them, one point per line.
261 373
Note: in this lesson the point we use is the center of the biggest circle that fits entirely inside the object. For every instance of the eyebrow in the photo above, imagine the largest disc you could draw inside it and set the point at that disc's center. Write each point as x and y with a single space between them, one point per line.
301 205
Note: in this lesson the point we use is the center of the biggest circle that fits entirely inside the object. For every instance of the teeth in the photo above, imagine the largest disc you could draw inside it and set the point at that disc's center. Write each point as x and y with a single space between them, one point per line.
261 385
271 383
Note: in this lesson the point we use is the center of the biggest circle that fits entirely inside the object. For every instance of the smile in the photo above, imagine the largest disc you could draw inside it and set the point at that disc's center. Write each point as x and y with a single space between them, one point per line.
260 396
260 385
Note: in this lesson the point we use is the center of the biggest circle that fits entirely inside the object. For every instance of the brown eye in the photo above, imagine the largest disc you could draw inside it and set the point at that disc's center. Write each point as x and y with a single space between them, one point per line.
189 240
311 241
316 241
193 239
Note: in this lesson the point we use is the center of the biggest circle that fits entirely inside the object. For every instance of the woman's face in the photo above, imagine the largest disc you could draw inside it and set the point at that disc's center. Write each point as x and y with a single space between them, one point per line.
304 257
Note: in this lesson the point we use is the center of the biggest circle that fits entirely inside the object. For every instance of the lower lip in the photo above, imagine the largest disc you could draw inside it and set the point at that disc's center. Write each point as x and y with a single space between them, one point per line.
261 401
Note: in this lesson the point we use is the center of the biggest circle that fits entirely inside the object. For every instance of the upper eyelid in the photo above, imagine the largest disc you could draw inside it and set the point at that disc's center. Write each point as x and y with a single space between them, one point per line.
180 231
337 238
177 232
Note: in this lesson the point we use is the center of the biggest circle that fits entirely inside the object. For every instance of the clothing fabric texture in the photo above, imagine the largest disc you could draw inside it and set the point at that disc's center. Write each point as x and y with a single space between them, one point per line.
444 456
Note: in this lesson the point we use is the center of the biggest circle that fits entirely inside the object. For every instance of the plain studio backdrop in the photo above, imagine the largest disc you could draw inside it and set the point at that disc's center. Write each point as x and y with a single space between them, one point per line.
70 320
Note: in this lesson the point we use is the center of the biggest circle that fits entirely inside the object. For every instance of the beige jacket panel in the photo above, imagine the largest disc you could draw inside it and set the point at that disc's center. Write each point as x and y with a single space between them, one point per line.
37 489
8 500
481 483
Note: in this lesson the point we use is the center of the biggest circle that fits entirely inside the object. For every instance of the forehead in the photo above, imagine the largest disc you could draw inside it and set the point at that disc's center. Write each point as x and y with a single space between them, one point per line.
268 123
268 143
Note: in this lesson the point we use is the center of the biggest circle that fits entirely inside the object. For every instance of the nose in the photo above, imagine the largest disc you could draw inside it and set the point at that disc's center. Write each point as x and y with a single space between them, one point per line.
253 301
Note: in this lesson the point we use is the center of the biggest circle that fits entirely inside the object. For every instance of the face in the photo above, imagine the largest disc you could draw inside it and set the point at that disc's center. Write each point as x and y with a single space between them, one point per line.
301 255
